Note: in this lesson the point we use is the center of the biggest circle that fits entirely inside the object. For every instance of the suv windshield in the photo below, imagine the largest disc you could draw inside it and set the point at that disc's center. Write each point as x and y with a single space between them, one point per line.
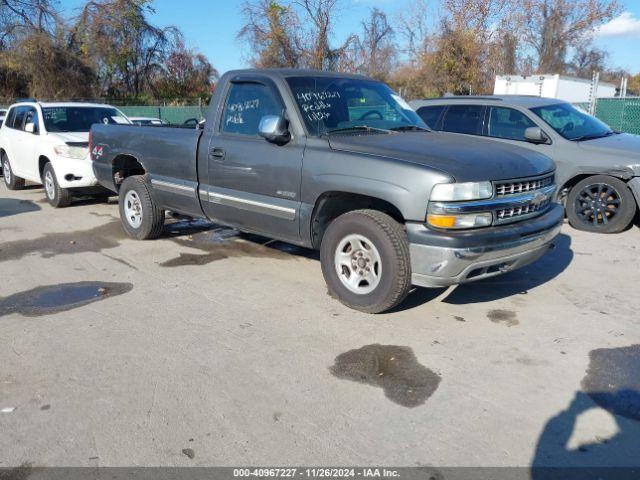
571 123
332 104
79 119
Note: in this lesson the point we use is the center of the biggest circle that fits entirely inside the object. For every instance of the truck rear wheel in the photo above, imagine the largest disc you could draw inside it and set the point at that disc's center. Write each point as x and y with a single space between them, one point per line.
10 179
365 261
56 196
141 217
601 204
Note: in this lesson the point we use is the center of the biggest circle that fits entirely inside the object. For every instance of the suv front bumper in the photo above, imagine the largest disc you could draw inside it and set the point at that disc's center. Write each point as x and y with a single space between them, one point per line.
440 259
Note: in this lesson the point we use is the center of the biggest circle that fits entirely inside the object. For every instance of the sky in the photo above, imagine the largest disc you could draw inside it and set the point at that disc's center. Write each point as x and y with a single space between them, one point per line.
211 27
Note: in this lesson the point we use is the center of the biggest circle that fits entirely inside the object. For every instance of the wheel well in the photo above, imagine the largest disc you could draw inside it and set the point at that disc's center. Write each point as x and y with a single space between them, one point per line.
330 205
569 184
42 161
126 166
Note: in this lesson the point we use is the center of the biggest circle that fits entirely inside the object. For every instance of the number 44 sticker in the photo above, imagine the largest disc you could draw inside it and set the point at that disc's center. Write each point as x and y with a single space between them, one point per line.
97 151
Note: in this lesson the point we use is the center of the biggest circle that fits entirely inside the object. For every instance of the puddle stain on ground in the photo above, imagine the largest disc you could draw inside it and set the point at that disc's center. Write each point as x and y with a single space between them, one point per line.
506 317
221 242
613 380
51 299
11 206
394 369
100 238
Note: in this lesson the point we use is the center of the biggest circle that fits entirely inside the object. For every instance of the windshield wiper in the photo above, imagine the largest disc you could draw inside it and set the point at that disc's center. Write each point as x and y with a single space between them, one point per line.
593 136
358 128
410 128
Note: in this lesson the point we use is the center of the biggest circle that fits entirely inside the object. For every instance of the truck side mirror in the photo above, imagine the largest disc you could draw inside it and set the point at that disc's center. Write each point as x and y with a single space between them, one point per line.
275 129
30 127
535 135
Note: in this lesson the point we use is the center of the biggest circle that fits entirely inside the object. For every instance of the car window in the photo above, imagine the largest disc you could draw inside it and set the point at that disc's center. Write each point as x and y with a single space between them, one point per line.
464 119
246 104
10 118
32 117
571 123
18 121
508 123
430 115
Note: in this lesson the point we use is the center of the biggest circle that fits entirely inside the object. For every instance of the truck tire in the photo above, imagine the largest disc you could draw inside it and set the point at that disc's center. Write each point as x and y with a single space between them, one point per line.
12 181
141 217
56 196
365 261
601 204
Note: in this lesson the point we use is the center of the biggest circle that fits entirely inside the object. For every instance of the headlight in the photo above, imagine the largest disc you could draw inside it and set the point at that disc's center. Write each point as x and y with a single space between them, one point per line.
454 192
79 153
459 221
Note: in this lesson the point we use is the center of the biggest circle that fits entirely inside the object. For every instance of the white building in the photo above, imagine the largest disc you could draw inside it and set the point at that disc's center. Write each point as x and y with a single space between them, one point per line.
570 89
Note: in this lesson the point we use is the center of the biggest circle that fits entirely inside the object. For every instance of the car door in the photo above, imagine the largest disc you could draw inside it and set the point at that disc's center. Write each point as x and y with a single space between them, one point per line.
252 183
17 143
28 144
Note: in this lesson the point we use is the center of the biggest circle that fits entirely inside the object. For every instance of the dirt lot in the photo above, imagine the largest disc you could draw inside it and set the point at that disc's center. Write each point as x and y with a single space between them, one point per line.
209 348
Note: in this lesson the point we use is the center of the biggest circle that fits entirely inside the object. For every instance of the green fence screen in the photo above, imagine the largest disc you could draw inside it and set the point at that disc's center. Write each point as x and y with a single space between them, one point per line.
621 114
174 115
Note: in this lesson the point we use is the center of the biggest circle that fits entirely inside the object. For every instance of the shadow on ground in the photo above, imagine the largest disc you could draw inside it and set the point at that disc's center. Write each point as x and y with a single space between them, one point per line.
11 206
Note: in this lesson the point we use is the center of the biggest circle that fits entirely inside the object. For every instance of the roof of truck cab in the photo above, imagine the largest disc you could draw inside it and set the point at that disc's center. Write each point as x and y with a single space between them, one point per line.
527 101
294 72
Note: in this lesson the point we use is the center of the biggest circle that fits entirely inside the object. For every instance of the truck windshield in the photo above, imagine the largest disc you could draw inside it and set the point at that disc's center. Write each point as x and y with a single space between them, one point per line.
79 119
571 123
330 104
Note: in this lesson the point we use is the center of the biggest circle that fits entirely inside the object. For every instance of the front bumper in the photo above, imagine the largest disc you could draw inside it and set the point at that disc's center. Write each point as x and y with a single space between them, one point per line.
441 259
72 173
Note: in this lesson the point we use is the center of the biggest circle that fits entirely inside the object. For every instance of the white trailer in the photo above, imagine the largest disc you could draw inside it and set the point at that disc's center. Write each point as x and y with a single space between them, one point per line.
570 89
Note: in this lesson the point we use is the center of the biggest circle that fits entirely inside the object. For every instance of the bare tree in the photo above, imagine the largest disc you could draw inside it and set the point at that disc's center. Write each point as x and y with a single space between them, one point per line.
554 27
21 17
273 32
375 51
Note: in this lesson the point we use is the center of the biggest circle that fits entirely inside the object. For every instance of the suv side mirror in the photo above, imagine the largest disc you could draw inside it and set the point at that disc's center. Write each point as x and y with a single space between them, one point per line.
535 135
30 127
275 129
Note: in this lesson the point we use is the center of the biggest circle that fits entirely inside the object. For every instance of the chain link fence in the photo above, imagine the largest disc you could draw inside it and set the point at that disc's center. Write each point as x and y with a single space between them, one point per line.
622 114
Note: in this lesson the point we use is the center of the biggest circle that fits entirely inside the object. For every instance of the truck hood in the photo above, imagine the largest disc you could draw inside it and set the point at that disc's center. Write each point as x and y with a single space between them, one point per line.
621 144
466 159
69 137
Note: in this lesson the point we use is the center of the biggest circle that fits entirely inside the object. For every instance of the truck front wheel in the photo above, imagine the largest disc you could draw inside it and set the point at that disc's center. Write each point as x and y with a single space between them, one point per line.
365 261
141 217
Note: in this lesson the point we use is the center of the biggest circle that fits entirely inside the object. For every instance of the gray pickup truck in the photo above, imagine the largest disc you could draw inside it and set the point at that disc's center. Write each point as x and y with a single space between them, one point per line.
342 164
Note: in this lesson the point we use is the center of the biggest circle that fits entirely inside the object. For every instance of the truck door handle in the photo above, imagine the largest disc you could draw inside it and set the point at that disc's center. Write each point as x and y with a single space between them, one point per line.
216 153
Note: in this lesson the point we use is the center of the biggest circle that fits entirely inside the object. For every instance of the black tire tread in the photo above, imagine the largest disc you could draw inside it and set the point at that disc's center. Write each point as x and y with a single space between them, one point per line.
153 228
401 282
63 196
16 183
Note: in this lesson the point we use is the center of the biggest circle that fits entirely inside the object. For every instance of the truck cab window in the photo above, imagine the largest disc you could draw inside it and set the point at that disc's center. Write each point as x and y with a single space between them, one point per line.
246 104
508 123
464 119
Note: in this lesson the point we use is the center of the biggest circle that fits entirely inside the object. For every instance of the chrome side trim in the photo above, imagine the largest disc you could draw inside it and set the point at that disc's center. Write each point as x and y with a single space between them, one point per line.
173 187
249 205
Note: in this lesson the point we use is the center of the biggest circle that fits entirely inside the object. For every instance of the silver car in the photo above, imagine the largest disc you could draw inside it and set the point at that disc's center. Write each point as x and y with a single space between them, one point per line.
598 169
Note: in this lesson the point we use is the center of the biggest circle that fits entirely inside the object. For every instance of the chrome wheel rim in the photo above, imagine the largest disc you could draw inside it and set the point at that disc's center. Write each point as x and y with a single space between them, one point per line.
358 264
49 185
133 209
6 171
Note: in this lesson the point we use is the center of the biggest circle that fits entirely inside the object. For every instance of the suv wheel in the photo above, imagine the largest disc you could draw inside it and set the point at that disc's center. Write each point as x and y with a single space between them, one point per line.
12 181
140 215
365 261
601 204
56 196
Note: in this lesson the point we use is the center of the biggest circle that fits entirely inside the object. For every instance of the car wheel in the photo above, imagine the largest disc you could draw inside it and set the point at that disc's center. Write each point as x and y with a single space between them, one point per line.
365 261
601 204
56 196
12 181
141 217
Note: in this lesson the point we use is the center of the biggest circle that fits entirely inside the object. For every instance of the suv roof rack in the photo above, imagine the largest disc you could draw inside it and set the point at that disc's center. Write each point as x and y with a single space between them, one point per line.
26 100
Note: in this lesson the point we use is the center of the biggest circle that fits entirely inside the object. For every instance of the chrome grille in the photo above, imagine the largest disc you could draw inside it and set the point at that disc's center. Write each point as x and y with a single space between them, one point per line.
512 214
516 187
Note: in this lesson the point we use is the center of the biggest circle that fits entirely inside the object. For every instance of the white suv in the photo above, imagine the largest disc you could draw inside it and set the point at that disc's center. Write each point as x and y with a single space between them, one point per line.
47 143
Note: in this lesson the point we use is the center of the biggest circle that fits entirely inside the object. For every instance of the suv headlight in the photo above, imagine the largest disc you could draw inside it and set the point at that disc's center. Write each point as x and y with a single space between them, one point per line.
456 192
78 153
